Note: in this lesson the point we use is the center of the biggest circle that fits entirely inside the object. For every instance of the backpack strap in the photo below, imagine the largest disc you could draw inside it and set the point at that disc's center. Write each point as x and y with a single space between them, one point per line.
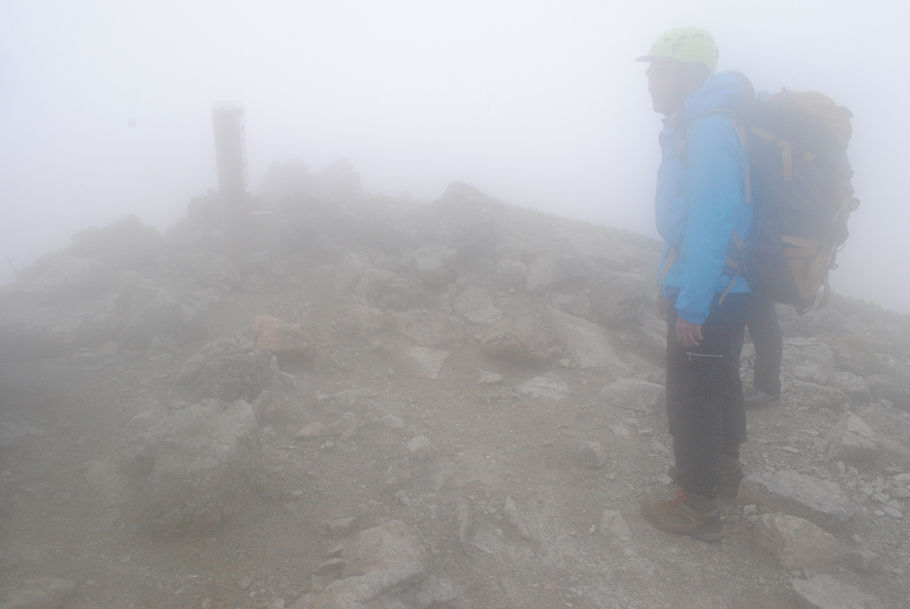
786 151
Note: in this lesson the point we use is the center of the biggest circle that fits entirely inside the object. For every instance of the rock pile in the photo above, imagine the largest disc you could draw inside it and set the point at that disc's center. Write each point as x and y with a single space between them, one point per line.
475 388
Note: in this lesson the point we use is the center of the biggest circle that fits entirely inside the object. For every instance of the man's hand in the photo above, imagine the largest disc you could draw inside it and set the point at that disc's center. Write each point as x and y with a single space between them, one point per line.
662 306
688 334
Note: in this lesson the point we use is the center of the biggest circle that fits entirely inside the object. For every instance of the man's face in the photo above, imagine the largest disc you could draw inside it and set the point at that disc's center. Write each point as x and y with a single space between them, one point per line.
665 84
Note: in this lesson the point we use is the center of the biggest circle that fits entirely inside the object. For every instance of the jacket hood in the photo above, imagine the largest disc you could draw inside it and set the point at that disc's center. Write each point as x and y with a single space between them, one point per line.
723 91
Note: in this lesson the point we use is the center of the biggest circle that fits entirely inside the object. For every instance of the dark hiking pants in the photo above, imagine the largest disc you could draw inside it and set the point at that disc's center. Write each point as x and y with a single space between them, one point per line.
761 320
705 395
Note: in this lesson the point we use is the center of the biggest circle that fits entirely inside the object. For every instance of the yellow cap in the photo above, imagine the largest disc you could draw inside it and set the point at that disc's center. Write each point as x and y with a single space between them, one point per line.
685 44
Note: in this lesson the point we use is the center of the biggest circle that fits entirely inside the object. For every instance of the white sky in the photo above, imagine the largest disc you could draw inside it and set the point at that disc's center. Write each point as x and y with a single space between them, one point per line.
537 103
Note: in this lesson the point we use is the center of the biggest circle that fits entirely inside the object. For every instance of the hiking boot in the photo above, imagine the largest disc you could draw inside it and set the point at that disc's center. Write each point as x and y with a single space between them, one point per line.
685 513
760 399
729 475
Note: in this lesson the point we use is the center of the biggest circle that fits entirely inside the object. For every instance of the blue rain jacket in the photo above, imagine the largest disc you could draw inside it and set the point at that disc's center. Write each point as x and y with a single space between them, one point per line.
701 197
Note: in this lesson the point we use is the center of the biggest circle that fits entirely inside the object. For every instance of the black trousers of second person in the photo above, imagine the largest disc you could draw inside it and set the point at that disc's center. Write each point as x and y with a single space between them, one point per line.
705 394
764 328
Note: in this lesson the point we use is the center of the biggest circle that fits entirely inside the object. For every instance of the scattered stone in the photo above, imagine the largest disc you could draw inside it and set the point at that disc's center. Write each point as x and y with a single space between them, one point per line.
890 426
333 567
422 361
892 388
893 512
489 378
377 560
549 386
344 426
864 561
476 305
822 354
825 592
418 444
515 518
812 396
620 430
278 337
396 474
592 455
852 441
392 421
270 406
38 593
430 328
613 524
339 527
821 502
464 520
436 591
636 395
311 431
794 542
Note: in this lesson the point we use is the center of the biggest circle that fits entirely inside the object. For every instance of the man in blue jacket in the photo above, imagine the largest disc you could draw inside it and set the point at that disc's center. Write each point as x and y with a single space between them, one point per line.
702 214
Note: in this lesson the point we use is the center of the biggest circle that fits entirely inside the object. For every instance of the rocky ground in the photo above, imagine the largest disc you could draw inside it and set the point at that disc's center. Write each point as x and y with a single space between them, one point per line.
385 405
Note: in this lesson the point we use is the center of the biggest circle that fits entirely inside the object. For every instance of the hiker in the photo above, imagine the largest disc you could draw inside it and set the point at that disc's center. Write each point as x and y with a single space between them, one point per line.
764 328
701 209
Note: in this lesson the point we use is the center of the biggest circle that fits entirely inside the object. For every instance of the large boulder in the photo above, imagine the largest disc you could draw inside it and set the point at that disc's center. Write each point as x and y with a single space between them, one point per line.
890 426
163 315
854 386
852 441
520 339
893 388
587 343
430 328
620 298
794 542
476 305
554 270
374 562
633 394
416 360
279 337
196 468
228 368
464 219
825 592
821 502
814 397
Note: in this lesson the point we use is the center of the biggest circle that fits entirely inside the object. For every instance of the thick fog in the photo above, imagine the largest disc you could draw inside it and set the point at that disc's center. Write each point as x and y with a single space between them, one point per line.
105 107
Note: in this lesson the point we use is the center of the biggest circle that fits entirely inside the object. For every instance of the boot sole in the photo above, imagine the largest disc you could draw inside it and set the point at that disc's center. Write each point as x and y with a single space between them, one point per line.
712 531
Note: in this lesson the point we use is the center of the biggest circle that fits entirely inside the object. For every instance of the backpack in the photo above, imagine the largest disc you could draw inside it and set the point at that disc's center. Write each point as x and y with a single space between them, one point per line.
801 193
